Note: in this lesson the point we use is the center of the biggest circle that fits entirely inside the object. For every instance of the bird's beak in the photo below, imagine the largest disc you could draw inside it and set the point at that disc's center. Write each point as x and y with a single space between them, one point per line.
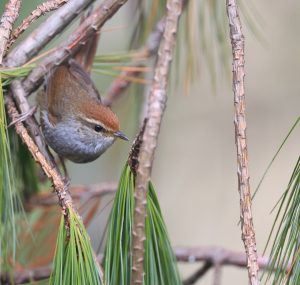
120 135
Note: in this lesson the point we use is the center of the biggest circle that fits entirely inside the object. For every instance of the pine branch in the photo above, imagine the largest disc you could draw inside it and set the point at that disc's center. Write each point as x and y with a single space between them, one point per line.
120 85
18 94
198 274
40 10
248 233
84 192
156 105
60 186
208 255
8 18
73 43
41 36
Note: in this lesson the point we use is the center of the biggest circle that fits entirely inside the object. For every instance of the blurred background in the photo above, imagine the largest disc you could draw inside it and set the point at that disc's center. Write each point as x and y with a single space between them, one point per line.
195 166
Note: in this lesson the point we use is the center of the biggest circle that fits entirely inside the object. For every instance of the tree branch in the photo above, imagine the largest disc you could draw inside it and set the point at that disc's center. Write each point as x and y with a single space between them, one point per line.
52 172
156 105
120 85
77 192
74 41
198 274
39 38
40 10
215 255
208 255
33 127
8 18
248 233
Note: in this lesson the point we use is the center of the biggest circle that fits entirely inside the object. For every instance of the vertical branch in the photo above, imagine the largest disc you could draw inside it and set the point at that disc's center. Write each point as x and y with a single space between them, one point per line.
248 234
9 16
156 107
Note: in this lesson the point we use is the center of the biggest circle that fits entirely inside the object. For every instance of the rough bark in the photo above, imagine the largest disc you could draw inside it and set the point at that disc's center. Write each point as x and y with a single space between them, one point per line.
248 233
40 10
156 107
52 173
41 36
74 42
8 18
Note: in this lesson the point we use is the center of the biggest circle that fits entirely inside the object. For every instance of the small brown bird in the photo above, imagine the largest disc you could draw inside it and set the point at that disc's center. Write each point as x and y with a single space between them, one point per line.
75 124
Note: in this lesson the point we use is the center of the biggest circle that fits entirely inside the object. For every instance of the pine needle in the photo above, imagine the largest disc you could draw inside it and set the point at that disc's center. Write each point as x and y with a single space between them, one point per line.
74 261
285 249
159 264
10 204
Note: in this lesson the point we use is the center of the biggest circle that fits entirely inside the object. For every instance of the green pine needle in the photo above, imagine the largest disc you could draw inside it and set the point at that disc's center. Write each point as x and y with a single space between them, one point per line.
286 247
74 262
159 264
8 74
10 205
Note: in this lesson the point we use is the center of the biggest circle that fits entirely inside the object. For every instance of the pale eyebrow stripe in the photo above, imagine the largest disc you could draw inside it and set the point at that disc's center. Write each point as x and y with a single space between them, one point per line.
95 122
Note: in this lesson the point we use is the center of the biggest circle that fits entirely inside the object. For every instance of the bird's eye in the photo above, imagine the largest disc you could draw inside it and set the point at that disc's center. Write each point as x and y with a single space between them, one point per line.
98 128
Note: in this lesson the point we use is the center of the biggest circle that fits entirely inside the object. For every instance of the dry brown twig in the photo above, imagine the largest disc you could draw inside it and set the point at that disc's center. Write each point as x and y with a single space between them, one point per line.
18 57
52 172
120 85
192 279
40 10
156 107
39 38
51 27
23 106
208 255
73 43
8 18
78 192
28 48
248 233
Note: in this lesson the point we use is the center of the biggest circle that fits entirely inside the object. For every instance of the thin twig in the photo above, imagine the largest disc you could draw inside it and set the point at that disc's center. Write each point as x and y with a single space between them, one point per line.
74 41
217 255
77 192
40 10
198 274
26 276
45 32
208 255
248 233
8 18
156 107
217 274
31 122
120 85
52 173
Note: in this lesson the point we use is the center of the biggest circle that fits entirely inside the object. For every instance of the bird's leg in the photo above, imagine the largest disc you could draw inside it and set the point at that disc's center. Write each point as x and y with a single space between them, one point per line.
66 174
22 117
